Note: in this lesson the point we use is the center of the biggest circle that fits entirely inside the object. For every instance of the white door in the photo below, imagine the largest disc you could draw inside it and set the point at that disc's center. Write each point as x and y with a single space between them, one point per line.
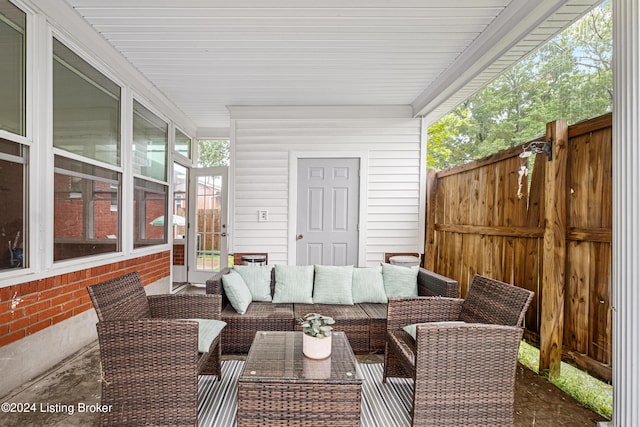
328 201
208 250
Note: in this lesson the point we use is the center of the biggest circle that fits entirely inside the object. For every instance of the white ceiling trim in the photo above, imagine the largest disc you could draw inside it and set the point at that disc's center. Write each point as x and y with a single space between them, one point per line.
320 112
458 87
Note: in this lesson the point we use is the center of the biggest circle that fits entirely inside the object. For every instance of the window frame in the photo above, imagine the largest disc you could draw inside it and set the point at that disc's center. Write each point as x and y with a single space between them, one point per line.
121 242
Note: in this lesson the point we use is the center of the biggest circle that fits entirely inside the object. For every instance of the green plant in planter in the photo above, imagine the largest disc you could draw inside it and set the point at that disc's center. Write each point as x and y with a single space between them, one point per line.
316 325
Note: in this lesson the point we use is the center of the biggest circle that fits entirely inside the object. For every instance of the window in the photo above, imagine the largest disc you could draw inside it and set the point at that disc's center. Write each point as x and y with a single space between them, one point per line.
12 68
86 108
150 206
150 141
86 123
13 155
85 222
13 173
183 144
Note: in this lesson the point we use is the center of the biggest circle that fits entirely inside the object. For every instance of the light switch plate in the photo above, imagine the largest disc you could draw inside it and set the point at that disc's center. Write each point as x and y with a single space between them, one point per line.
263 215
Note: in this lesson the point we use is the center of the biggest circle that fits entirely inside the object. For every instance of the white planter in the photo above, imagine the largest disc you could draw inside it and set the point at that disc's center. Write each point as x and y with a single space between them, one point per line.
316 348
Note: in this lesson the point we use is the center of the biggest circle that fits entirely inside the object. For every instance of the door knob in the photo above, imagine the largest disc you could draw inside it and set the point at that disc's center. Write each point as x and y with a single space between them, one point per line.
299 236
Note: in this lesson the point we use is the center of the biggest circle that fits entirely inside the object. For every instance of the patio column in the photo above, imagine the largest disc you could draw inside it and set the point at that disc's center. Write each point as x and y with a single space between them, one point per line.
626 213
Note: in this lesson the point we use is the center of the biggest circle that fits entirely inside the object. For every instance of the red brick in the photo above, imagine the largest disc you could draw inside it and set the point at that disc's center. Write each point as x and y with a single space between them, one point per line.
5 293
51 293
21 323
26 300
38 326
45 284
28 288
63 316
37 307
49 313
82 308
71 304
60 299
6 318
15 336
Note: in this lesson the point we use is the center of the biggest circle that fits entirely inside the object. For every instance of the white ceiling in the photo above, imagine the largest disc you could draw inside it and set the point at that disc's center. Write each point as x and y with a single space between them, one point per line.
205 55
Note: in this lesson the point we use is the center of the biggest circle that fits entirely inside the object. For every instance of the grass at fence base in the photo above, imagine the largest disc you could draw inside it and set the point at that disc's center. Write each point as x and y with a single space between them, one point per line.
587 390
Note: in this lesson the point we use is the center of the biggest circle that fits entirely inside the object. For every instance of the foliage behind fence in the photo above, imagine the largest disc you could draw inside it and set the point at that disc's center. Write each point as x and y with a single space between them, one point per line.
478 224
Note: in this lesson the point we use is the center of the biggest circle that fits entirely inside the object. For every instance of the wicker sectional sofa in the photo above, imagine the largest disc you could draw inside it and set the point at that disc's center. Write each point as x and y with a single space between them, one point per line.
364 323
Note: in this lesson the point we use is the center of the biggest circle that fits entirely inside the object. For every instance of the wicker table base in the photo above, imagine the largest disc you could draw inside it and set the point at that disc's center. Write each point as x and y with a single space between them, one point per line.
279 386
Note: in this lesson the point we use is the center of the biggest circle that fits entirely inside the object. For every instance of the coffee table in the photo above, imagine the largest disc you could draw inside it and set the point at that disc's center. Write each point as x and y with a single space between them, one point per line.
280 386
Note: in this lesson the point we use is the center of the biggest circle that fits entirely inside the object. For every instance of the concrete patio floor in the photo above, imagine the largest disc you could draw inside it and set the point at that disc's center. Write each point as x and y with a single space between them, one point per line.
76 382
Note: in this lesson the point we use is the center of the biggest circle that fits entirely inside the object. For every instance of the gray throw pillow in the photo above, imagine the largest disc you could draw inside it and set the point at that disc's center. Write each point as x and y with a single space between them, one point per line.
333 285
258 280
400 281
294 284
368 285
237 291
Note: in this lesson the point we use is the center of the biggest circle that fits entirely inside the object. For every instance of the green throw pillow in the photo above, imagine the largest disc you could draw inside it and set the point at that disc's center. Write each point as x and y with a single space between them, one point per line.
333 285
294 284
237 291
400 281
258 280
368 285
208 330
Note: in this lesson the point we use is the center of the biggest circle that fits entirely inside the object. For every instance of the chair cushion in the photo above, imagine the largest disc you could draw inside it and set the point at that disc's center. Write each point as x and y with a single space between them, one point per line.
333 285
400 281
208 330
237 291
294 284
258 280
368 285
411 329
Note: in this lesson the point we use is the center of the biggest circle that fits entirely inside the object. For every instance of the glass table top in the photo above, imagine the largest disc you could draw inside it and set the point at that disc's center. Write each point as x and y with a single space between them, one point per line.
278 356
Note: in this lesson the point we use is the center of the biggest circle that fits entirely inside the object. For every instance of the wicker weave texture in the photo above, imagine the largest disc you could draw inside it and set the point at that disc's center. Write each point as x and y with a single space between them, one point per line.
493 301
120 298
366 334
149 353
350 319
472 383
240 331
279 386
466 369
149 372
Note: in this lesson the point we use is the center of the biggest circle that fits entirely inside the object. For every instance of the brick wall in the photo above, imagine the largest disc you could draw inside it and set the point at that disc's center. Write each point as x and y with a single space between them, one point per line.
29 307
178 254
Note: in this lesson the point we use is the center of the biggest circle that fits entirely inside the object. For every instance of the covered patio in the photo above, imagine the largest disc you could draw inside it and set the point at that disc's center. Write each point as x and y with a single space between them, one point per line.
107 99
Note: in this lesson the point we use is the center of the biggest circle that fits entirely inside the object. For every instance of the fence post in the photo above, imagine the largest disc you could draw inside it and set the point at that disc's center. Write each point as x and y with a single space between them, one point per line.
554 251
430 238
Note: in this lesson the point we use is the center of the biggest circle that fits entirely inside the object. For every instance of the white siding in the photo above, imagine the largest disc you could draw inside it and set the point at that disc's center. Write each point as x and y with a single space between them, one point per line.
260 174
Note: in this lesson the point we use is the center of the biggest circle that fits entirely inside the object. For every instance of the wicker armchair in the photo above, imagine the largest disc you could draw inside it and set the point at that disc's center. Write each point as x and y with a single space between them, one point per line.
464 356
150 358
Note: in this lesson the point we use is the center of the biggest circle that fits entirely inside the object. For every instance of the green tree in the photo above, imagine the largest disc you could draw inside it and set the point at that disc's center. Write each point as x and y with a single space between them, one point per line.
213 152
569 78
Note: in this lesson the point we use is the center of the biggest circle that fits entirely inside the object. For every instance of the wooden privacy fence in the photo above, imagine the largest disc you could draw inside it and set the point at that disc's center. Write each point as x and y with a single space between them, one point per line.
554 240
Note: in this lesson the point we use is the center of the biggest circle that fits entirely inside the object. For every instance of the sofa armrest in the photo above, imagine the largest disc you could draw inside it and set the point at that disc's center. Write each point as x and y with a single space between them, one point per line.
406 311
185 306
214 283
434 284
